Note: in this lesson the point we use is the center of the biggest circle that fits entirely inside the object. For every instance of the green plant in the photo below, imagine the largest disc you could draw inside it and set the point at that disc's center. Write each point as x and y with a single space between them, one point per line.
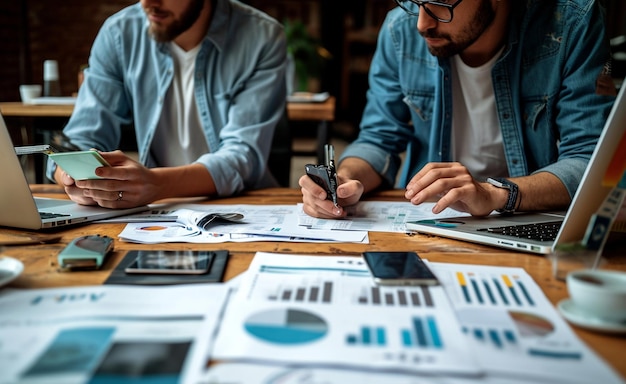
306 52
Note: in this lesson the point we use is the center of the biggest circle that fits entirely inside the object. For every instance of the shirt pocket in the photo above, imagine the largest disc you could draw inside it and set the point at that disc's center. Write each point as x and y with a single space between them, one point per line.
421 106
222 102
541 140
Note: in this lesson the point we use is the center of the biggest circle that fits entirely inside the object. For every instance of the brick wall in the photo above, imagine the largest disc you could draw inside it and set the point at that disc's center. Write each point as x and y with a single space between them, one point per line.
32 31
64 32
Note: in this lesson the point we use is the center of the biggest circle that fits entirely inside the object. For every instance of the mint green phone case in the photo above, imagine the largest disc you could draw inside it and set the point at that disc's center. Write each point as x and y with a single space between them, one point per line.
80 165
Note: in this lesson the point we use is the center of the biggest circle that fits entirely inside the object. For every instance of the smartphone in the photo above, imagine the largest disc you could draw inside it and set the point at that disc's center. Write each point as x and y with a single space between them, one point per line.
170 262
80 165
85 252
322 176
399 268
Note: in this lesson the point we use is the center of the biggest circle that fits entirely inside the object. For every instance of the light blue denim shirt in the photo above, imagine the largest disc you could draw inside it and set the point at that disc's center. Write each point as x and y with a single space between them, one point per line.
239 89
544 84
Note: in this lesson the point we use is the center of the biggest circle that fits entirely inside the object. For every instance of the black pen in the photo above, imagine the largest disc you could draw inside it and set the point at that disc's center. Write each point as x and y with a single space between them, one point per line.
332 173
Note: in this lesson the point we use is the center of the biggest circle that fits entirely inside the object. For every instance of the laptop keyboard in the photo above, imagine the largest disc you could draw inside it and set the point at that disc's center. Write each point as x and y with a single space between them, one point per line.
50 215
541 231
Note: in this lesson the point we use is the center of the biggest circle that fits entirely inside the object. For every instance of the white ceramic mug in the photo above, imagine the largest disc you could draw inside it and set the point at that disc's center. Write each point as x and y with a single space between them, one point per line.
600 293
28 92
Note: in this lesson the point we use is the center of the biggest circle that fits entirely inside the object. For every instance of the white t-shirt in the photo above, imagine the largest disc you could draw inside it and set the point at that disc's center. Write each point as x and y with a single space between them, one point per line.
476 134
179 139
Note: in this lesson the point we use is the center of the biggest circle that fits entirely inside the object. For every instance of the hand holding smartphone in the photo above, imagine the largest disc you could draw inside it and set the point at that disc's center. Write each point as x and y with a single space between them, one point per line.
325 175
399 268
80 165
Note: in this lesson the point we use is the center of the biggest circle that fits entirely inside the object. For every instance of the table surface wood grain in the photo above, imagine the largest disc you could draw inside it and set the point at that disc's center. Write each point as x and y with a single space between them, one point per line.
41 269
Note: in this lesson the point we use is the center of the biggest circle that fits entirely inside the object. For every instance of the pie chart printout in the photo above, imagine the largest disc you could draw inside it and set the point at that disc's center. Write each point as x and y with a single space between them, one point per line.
286 326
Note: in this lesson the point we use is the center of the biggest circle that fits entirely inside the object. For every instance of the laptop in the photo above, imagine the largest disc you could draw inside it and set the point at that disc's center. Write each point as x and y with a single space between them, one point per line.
543 231
19 209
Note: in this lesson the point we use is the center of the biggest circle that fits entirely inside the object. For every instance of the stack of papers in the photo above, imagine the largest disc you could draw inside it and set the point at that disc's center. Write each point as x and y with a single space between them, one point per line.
325 311
308 97
273 223
259 223
313 315
60 100
297 318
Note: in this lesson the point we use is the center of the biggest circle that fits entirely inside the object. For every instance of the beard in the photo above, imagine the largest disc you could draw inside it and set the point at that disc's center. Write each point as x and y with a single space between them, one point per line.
483 18
166 33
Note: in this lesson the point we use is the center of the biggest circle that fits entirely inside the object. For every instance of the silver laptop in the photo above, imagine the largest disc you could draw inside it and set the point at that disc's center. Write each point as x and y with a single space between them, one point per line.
568 227
19 209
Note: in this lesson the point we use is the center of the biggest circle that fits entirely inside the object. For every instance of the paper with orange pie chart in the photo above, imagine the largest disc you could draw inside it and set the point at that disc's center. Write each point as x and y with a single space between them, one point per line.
513 328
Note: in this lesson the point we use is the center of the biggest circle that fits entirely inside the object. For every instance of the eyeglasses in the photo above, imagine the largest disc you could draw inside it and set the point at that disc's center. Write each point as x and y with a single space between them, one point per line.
438 10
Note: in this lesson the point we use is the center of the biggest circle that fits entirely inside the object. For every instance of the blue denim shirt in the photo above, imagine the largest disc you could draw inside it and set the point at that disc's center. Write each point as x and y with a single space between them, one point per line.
239 89
544 84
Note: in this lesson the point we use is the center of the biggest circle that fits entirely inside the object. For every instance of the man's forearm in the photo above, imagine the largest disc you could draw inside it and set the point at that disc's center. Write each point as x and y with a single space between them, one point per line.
540 192
354 168
185 181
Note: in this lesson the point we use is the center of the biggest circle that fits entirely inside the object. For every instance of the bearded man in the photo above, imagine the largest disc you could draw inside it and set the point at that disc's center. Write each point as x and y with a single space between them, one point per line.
496 105
203 84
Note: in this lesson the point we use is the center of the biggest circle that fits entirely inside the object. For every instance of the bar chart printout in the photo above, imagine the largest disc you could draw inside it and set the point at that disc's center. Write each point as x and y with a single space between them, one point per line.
300 309
396 296
312 293
487 289
514 329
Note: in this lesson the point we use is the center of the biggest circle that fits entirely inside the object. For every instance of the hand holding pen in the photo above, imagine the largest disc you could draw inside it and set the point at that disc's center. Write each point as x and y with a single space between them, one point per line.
329 151
325 175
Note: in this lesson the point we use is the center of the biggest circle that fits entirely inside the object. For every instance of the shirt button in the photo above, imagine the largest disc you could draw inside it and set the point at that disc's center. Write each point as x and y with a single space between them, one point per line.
160 100
506 115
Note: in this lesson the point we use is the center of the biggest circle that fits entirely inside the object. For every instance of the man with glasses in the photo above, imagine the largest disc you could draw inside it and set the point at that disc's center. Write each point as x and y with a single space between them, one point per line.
497 105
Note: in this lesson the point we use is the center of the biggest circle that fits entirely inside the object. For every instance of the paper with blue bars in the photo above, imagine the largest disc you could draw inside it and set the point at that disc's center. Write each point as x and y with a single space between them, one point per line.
327 311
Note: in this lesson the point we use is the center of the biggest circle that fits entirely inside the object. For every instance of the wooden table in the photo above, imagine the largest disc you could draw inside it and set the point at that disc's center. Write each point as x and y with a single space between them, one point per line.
19 109
295 111
41 269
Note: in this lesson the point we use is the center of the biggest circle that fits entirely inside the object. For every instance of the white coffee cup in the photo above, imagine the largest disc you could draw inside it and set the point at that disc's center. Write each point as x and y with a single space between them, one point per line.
28 92
600 293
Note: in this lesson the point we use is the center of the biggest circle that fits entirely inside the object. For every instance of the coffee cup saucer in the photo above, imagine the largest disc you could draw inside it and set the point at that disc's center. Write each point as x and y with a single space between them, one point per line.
578 317
10 269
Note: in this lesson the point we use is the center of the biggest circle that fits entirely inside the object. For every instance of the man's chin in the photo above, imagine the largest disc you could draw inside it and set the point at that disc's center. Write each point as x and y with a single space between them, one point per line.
443 52
159 34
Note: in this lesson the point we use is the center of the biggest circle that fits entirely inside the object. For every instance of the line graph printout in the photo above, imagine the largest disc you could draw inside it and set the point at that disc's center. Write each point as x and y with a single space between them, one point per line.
326 311
513 328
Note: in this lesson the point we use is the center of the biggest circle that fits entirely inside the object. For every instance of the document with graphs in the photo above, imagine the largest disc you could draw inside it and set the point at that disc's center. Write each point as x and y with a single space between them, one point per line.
326 311
98 334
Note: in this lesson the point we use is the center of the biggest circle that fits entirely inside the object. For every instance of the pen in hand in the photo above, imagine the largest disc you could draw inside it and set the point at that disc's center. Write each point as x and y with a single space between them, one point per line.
332 173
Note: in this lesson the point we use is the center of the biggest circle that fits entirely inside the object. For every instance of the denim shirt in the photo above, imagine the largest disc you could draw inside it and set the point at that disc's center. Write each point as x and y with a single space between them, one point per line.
545 89
239 90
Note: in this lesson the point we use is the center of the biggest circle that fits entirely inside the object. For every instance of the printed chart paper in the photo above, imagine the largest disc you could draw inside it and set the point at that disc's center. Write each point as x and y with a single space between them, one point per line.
102 334
379 216
327 311
260 223
514 329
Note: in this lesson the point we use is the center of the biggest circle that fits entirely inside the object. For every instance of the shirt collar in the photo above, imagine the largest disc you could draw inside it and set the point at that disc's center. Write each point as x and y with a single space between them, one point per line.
218 28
